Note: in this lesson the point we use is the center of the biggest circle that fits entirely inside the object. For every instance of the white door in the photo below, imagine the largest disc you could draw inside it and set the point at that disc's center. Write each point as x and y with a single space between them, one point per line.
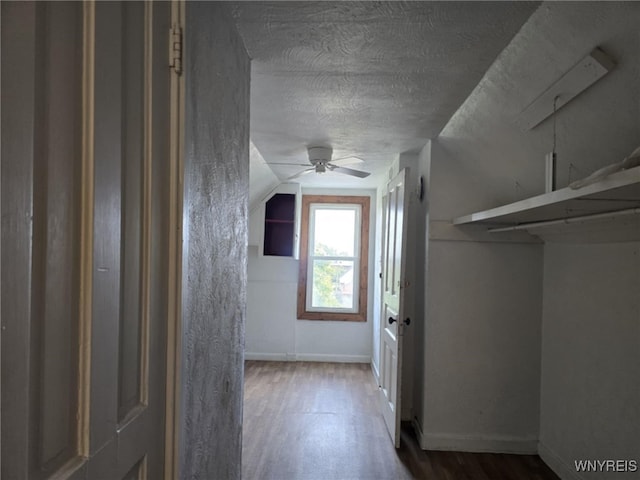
84 262
392 322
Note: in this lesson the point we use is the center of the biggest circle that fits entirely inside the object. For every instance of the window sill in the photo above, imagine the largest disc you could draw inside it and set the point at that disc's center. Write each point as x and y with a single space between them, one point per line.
333 316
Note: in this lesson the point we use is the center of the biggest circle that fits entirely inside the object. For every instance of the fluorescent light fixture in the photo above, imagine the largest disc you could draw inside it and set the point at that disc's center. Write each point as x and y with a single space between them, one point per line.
584 74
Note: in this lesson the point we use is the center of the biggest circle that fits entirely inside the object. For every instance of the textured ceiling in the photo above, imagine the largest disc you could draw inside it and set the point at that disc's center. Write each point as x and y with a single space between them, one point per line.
371 79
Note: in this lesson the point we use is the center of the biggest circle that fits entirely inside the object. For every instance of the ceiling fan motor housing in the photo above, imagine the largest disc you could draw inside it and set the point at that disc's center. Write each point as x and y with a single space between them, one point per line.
320 155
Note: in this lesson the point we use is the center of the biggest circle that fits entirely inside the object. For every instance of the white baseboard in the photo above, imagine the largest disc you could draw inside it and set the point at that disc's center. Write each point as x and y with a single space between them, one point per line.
561 468
307 357
269 357
335 358
479 443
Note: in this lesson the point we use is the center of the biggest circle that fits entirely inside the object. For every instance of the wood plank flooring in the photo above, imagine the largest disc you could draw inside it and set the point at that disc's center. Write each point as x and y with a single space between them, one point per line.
321 421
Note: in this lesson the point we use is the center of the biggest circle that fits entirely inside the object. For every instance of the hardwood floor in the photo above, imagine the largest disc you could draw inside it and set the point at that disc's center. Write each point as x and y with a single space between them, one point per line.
321 421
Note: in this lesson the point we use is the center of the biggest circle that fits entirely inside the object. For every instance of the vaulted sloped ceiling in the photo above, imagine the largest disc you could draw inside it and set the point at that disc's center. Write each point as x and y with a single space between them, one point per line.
371 79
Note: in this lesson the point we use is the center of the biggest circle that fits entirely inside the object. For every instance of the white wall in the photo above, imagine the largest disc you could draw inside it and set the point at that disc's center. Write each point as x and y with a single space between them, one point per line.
591 355
482 331
421 219
272 331
482 353
271 304
261 178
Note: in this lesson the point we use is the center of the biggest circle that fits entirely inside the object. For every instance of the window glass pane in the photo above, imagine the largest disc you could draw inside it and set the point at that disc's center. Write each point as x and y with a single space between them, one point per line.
332 284
334 232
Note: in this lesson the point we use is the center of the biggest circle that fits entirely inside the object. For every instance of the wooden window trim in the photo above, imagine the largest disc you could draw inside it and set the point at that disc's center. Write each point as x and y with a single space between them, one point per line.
361 315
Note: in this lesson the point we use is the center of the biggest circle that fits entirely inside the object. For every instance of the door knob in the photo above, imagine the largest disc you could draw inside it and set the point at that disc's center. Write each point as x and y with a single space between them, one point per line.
391 320
407 322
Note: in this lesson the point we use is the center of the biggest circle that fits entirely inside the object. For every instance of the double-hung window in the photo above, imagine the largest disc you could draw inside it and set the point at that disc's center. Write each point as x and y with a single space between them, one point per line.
332 281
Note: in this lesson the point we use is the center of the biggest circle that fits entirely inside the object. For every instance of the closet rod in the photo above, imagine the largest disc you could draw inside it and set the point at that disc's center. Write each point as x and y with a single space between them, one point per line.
568 220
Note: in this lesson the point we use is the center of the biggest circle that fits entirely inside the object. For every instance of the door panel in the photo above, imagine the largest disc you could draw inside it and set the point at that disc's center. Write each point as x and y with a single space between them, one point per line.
132 169
40 146
85 177
128 334
107 222
55 233
392 323
18 105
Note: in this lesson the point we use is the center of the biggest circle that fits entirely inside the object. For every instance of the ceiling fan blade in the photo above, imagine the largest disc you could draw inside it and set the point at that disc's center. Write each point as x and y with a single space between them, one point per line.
303 172
289 164
350 160
348 171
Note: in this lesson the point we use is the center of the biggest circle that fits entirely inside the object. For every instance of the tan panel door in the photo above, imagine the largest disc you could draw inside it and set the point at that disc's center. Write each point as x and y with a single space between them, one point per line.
83 356
130 134
392 322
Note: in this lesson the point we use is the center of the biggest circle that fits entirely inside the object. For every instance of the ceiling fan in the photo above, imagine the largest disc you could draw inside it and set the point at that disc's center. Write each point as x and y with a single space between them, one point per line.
320 161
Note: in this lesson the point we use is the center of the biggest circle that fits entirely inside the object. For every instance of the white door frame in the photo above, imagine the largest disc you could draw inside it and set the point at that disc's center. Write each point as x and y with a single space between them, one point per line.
174 276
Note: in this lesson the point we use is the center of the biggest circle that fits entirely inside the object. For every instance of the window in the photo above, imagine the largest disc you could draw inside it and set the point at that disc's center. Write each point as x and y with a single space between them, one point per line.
332 281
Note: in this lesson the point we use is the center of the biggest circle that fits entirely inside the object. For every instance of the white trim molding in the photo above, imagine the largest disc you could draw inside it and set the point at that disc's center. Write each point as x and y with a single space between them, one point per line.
307 357
478 443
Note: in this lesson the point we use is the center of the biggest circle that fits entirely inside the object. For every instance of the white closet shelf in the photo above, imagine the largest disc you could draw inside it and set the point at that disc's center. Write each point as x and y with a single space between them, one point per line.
618 191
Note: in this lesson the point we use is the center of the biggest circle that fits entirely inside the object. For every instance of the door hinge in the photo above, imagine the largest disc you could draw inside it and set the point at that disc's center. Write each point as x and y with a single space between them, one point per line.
175 49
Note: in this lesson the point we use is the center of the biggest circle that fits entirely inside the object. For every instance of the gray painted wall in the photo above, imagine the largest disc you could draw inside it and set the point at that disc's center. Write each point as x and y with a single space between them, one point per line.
481 334
482 353
591 355
216 189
